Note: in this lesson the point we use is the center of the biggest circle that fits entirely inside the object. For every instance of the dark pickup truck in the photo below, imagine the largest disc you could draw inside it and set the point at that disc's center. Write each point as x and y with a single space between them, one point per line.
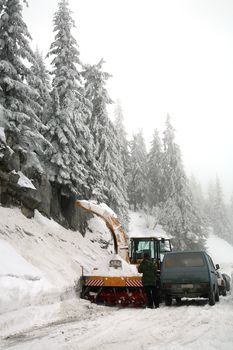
190 275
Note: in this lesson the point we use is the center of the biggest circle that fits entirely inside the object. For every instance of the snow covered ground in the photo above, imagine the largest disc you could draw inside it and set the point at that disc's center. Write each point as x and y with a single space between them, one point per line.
40 263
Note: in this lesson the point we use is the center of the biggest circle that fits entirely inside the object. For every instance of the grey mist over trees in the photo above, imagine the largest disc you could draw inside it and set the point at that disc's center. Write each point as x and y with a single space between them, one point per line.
219 215
179 214
138 172
55 128
158 181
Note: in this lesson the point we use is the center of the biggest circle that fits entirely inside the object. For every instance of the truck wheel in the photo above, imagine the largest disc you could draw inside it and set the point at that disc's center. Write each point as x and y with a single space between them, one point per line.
224 292
212 297
168 300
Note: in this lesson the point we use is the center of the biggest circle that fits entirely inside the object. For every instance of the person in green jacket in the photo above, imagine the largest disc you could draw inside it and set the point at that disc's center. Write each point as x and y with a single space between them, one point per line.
149 277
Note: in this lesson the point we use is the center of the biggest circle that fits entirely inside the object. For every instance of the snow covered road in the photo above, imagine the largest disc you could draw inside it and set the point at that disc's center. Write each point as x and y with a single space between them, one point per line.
192 325
39 309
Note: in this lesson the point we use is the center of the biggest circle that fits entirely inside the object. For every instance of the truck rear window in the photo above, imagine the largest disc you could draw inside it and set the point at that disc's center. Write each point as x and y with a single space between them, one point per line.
184 260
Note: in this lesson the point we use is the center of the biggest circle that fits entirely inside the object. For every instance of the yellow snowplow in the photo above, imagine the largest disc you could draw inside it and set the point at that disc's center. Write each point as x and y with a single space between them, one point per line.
121 283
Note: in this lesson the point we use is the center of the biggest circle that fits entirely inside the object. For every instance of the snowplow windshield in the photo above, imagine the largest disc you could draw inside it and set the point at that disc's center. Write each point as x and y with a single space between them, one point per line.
144 246
155 247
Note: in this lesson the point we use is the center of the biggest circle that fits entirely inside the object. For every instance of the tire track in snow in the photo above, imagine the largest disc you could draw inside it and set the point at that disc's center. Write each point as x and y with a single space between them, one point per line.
192 326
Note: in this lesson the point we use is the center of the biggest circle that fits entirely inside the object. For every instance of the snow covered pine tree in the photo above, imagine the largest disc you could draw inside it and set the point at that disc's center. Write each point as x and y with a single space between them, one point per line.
17 97
179 214
155 173
137 188
112 187
68 130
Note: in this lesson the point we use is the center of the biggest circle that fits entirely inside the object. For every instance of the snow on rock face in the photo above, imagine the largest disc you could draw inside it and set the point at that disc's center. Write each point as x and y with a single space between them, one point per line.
2 141
2 135
24 181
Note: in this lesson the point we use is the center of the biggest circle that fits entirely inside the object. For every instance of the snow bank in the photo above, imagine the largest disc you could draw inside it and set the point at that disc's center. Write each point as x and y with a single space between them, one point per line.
221 252
12 264
18 278
41 262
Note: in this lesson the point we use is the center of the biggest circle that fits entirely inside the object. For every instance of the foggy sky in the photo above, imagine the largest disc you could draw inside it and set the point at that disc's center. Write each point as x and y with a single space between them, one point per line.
169 56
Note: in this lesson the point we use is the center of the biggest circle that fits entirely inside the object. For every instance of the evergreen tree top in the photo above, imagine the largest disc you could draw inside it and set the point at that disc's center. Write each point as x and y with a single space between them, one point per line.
40 69
169 133
96 79
14 35
16 95
155 143
67 78
119 123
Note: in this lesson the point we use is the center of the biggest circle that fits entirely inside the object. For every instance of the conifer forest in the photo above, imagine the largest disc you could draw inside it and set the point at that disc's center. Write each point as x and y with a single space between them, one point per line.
55 128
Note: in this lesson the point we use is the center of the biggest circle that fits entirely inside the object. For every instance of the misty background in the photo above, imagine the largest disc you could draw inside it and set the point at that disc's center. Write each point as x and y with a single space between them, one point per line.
169 57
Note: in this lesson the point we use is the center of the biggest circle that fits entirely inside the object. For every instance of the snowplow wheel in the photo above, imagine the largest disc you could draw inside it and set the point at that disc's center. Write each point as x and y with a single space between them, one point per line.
168 300
212 298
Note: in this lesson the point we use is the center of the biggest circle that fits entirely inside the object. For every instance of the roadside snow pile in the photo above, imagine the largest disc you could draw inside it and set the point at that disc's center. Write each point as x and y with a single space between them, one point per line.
18 278
221 252
12 264
41 262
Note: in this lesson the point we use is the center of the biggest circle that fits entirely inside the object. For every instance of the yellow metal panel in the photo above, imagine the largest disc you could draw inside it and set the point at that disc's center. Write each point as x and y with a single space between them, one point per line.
113 281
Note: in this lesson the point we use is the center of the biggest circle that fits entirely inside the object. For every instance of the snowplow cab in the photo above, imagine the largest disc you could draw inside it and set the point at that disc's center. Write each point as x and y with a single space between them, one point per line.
156 248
